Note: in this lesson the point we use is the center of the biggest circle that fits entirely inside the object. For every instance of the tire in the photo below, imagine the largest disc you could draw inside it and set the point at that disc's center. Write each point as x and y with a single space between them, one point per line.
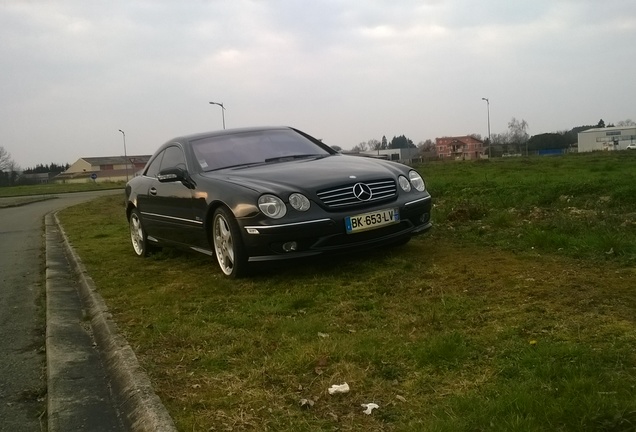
228 245
138 235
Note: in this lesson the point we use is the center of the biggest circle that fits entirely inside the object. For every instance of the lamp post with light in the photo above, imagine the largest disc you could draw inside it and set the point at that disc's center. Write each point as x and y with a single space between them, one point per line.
125 155
489 140
222 110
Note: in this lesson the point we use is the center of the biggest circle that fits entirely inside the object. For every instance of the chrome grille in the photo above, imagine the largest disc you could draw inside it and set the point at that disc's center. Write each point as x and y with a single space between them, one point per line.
343 196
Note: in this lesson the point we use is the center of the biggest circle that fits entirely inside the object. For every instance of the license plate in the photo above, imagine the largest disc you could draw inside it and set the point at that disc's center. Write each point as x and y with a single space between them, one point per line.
371 220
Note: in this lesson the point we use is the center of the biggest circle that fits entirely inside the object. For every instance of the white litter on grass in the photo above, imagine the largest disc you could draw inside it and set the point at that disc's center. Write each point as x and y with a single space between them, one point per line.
369 407
306 403
342 388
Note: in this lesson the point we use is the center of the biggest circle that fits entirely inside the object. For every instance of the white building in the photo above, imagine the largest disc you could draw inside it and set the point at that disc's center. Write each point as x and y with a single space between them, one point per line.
609 138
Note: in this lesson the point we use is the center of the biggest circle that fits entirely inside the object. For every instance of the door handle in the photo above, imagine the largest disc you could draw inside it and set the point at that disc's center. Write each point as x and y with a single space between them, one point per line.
153 191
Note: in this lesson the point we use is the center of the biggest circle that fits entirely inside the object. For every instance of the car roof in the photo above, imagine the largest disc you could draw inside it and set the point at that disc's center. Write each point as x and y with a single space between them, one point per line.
197 136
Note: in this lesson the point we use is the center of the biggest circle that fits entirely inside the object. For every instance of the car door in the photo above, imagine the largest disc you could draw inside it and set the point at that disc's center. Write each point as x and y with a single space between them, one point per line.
169 205
151 219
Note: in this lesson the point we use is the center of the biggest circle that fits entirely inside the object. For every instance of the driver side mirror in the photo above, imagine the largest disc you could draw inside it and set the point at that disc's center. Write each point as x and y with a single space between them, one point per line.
175 174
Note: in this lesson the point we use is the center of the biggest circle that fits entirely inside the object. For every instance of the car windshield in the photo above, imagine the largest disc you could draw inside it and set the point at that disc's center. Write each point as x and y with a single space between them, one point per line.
252 148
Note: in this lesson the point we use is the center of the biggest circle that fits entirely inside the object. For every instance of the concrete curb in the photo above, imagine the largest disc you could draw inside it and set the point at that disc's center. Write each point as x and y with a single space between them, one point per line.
140 408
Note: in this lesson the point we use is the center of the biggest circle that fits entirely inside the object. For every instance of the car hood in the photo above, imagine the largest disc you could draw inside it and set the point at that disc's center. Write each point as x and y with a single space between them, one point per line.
310 174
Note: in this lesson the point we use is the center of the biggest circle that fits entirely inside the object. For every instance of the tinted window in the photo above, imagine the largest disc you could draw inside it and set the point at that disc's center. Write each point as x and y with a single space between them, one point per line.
173 157
253 147
153 168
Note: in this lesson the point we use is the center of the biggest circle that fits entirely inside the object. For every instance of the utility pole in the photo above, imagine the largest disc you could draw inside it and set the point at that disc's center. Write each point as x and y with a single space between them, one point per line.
489 140
222 110
125 155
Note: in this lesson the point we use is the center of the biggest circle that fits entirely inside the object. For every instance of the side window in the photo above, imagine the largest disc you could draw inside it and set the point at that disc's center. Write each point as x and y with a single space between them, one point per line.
173 157
153 168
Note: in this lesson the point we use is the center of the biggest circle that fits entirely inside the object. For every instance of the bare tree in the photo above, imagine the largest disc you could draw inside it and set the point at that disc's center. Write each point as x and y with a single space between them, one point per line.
517 134
627 122
6 162
426 146
517 130
360 147
8 168
374 144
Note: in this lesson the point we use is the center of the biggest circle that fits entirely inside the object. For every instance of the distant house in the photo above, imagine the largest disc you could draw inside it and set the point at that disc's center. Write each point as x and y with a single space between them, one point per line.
459 147
609 138
102 169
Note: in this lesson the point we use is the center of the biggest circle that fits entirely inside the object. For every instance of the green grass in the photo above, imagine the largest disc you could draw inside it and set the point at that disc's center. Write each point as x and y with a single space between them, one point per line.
488 323
580 205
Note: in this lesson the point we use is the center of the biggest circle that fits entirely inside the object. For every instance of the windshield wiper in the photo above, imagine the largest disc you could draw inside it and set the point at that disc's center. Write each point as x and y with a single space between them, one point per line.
292 157
237 166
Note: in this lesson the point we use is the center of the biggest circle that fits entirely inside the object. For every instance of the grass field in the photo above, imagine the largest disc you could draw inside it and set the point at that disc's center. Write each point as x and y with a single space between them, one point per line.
57 188
517 312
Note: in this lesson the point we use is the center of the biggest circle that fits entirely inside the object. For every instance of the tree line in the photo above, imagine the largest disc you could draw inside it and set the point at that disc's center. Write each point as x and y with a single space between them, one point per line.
373 144
49 168
10 171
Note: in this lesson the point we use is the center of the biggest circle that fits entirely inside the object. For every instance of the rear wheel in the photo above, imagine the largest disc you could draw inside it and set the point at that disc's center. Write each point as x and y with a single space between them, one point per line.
228 246
138 235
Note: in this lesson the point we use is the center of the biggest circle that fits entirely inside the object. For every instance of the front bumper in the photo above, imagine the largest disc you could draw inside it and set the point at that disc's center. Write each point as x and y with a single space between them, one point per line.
327 234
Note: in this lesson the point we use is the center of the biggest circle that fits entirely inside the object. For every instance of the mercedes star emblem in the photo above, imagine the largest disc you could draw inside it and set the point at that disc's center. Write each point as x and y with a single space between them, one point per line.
362 192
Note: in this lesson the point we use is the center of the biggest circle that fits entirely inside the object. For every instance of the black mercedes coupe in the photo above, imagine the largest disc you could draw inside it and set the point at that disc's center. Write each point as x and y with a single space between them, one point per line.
258 194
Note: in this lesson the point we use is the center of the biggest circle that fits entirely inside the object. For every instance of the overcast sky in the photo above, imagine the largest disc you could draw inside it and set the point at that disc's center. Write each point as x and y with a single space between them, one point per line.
75 72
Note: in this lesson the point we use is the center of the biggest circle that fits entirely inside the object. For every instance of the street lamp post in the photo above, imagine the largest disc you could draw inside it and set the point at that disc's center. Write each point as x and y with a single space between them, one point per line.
489 140
125 155
222 110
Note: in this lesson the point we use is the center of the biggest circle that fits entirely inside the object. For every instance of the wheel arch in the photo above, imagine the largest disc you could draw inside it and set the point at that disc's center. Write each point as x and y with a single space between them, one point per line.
209 219
129 208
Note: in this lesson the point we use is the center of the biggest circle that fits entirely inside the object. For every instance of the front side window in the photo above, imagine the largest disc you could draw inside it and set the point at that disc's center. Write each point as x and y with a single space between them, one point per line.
155 165
173 158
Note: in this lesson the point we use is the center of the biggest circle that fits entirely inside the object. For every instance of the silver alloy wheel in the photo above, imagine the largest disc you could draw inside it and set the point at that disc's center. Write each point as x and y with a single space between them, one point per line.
136 234
223 244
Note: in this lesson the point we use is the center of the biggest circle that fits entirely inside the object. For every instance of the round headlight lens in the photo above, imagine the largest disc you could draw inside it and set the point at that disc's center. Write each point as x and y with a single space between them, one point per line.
272 206
299 202
404 183
417 181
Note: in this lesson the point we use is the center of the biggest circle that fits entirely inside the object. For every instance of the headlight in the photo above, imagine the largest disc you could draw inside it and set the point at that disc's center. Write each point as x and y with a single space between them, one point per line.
404 183
272 206
417 181
299 202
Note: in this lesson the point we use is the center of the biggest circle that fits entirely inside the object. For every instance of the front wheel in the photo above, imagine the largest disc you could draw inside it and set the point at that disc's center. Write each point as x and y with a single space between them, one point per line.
228 246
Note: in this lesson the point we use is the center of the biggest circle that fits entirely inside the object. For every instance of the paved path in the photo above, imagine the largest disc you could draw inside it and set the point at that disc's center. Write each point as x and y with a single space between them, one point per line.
79 387
22 312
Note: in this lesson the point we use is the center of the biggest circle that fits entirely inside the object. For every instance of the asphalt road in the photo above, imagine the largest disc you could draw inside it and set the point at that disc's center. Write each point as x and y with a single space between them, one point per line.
22 311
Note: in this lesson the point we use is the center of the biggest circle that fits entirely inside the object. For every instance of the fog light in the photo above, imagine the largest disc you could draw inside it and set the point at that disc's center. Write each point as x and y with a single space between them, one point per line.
290 246
424 218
